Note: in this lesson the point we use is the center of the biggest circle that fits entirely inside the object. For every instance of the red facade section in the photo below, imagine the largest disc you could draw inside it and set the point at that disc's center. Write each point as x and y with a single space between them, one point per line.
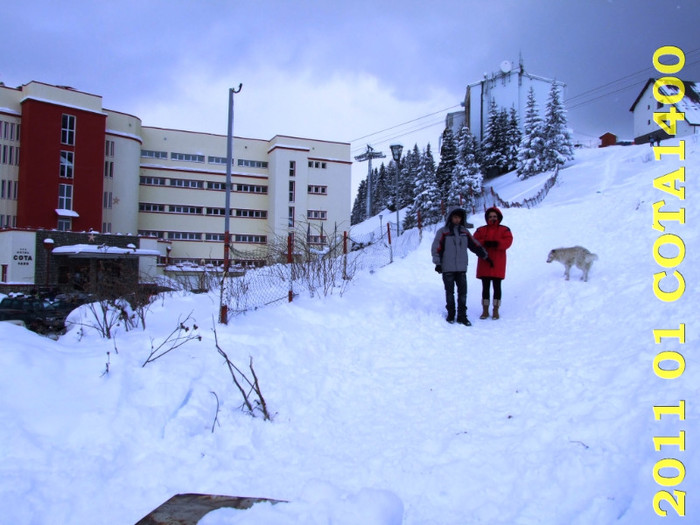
40 166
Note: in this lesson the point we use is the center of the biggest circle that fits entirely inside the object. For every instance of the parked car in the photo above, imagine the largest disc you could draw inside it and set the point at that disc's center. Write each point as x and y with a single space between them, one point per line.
40 315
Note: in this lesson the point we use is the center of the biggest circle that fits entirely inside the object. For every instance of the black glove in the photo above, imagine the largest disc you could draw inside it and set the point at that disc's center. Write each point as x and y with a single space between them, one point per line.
491 244
438 268
489 261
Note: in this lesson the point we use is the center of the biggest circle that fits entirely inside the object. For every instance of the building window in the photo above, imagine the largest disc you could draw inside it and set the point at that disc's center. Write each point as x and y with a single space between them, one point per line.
107 227
150 207
64 224
2 193
318 190
317 214
216 211
292 168
66 165
187 157
107 200
217 160
68 130
290 222
151 233
150 154
250 188
214 237
216 185
317 239
252 163
109 148
256 239
152 181
251 214
65 197
291 191
192 210
109 169
185 236
187 183
317 164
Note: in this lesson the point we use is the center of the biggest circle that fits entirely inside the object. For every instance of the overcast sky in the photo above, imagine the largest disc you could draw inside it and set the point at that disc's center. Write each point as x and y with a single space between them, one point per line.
355 71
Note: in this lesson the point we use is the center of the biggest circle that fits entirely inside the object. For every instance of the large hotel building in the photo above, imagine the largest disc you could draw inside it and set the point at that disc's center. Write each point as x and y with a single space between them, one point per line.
70 165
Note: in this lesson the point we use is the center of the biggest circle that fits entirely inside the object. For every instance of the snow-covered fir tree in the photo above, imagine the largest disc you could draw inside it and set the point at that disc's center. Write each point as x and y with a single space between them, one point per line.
381 189
448 160
531 151
409 171
466 175
558 146
427 199
493 148
359 207
512 140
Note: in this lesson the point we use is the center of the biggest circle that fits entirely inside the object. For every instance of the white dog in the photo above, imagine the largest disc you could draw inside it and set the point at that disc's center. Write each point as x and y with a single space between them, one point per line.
576 255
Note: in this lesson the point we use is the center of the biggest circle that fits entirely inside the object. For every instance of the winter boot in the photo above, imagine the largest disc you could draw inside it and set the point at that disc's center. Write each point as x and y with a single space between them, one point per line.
485 313
496 305
464 321
450 316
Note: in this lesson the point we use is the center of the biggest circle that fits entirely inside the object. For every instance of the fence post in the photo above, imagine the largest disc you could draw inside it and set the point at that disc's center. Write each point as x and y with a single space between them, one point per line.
388 235
420 227
345 255
291 266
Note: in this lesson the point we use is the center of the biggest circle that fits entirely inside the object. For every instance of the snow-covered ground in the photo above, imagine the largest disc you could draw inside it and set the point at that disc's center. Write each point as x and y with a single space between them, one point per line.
384 413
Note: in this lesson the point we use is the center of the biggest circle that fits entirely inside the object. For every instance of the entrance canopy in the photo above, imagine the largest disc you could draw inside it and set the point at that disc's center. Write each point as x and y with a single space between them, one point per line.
102 251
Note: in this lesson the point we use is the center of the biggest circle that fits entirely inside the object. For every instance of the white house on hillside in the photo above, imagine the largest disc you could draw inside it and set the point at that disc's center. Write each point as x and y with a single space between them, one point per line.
644 107
508 87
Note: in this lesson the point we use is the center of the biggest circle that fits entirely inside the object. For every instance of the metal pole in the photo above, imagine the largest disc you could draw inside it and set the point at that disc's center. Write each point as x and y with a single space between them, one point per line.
229 162
223 313
398 168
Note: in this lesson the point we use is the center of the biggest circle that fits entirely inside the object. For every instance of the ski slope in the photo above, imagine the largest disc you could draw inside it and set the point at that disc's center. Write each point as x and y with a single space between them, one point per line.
383 412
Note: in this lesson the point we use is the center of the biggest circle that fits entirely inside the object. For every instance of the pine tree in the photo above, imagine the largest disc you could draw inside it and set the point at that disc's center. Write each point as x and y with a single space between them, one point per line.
409 172
531 151
512 140
359 207
448 160
493 149
427 198
466 176
558 147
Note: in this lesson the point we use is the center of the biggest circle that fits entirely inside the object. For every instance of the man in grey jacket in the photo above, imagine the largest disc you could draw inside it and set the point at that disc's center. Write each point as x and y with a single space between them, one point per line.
449 251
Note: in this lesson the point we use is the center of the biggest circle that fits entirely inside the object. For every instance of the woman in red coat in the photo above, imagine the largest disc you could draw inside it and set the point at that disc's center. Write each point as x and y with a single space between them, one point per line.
496 238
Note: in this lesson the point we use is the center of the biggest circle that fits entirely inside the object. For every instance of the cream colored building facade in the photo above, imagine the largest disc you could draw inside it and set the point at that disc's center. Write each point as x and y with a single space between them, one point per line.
169 184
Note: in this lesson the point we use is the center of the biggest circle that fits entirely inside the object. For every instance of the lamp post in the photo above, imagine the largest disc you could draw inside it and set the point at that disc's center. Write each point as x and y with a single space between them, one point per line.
48 246
223 313
396 150
229 161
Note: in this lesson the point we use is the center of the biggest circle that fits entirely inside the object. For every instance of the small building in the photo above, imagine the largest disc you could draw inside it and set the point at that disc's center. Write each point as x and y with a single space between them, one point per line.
71 261
646 130
508 88
607 139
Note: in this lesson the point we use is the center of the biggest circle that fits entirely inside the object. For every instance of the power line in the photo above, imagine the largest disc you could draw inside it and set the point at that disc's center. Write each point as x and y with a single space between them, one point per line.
407 122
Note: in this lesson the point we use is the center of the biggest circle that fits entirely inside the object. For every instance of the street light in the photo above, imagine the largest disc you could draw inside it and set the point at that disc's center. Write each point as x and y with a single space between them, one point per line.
48 246
396 150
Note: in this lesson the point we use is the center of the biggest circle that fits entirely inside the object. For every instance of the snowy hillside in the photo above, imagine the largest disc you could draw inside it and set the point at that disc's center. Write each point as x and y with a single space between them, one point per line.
383 412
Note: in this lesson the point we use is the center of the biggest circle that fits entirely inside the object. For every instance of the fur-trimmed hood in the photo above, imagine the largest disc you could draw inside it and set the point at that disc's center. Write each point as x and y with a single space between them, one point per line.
498 212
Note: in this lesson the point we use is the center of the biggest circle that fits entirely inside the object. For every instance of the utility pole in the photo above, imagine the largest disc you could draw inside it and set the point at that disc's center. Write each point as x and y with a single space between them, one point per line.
223 309
369 155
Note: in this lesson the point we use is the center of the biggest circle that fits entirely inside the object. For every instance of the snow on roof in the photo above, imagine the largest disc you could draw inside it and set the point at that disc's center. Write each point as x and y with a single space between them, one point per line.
61 212
103 250
689 104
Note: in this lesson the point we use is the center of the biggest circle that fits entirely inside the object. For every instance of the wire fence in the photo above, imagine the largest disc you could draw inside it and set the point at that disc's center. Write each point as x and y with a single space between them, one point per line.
316 270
